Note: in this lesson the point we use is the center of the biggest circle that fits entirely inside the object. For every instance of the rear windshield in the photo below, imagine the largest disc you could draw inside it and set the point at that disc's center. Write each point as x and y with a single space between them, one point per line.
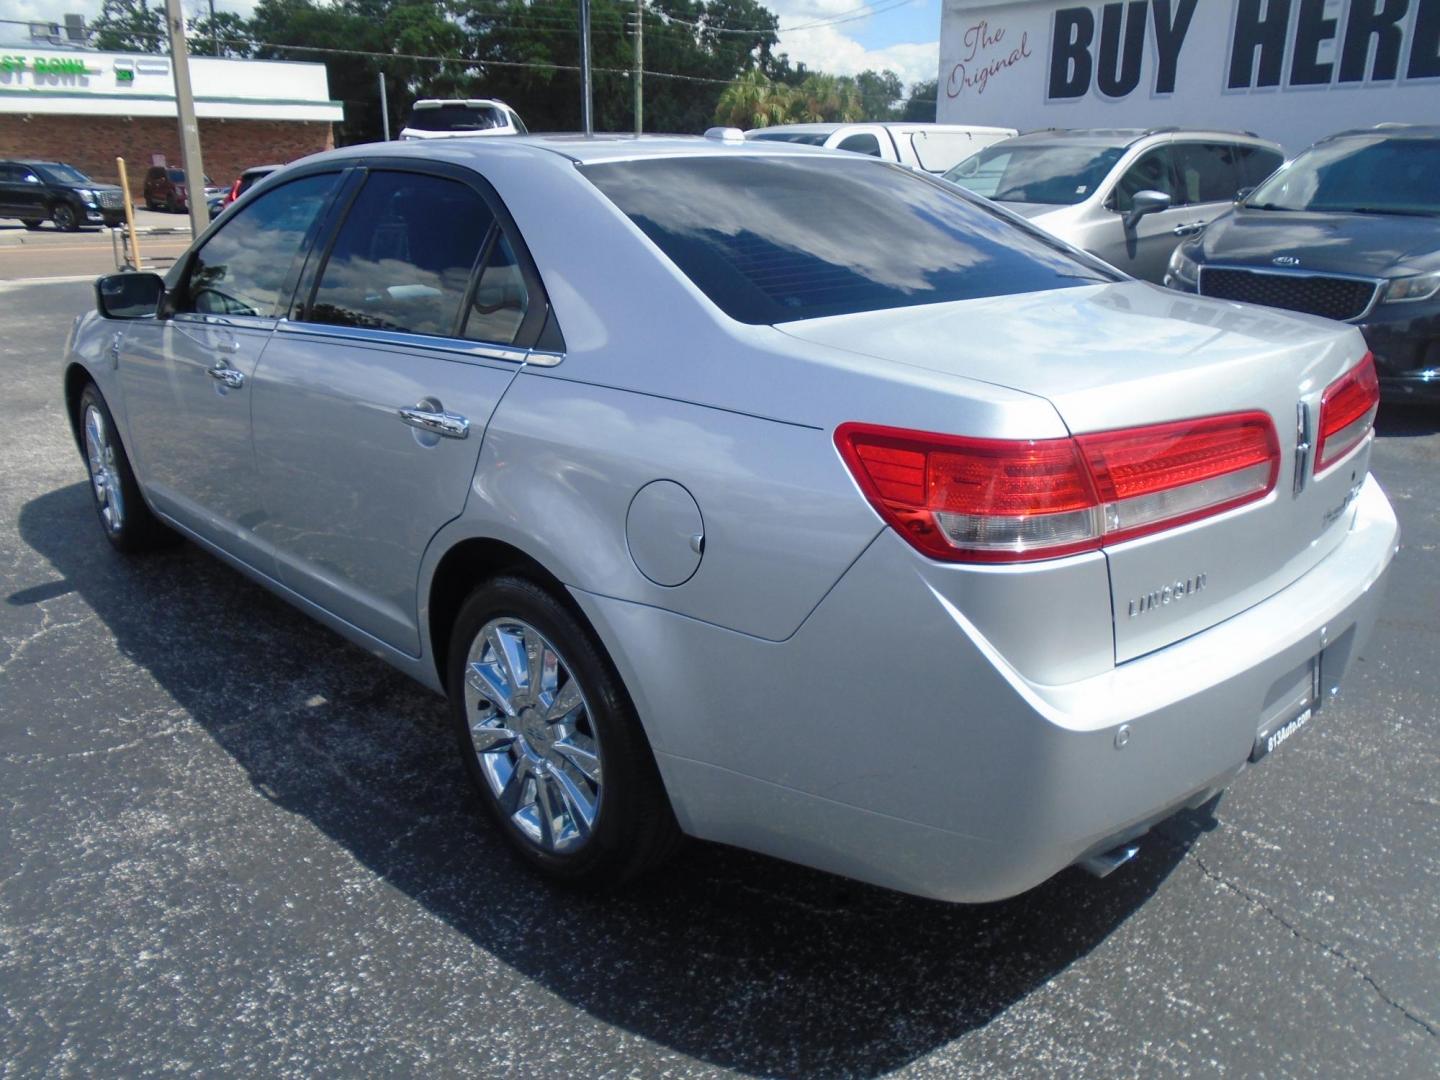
1365 175
1056 175
456 117
805 138
775 239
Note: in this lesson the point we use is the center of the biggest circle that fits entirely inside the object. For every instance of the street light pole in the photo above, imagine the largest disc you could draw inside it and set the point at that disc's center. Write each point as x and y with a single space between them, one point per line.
639 67
189 126
384 108
586 117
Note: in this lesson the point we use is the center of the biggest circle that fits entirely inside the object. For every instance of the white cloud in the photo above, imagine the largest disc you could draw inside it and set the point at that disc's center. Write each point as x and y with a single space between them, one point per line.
827 49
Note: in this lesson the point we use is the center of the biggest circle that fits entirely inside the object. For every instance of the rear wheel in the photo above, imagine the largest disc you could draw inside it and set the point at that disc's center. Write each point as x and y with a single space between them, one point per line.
126 520
550 738
65 218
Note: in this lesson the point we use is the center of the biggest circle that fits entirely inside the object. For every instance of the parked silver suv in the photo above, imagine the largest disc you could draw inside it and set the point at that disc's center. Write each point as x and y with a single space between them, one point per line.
1128 196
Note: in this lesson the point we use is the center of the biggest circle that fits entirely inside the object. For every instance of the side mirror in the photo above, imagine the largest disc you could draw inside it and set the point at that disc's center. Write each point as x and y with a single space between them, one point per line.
1145 202
1244 193
134 295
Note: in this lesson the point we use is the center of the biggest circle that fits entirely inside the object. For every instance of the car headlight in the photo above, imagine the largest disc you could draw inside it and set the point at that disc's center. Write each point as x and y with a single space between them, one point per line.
1419 287
1182 268
86 195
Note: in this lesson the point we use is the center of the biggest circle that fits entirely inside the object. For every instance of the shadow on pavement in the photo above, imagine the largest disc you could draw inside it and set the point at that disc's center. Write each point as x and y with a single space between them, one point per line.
732 958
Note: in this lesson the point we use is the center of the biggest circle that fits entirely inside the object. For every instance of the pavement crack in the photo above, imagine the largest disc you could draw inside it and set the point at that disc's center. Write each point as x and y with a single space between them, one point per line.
1301 935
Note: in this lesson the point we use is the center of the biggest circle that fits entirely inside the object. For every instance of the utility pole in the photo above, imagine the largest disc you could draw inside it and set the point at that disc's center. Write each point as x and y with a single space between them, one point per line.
586 118
189 126
384 108
639 67
214 30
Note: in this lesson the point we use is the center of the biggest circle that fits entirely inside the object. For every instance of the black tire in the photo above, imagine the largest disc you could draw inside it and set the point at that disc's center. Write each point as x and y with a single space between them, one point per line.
65 218
135 529
33 223
634 827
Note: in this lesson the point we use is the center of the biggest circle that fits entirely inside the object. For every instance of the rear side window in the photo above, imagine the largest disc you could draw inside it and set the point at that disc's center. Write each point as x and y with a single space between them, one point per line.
1208 172
242 269
403 258
501 297
861 143
774 239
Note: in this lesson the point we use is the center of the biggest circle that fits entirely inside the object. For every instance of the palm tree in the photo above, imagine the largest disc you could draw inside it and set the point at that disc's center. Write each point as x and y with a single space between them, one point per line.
828 98
752 101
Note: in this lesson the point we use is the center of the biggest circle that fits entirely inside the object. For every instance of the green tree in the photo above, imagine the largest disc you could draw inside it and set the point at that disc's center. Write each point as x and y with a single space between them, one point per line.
920 105
130 26
753 100
827 98
227 34
880 94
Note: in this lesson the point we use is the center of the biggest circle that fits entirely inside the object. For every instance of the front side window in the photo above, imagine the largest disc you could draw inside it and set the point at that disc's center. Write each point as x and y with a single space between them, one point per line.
775 239
1151 172
244 267
64 174
861 143
403 258
1257 163
1055 175
1360 174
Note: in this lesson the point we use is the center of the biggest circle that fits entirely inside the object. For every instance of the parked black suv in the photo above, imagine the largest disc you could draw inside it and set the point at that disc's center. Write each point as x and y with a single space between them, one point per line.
40 191
1349 230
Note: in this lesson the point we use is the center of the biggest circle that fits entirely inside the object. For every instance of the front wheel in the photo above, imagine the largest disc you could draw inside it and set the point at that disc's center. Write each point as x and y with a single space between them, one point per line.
65 218
127 521
550 738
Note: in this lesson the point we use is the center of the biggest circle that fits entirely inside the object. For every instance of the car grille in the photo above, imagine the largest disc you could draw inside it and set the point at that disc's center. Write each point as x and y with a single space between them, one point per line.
109 200
1332 297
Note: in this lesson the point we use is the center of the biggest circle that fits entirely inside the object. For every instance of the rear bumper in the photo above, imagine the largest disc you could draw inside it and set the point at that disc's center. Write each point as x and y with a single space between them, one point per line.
1405 339
889 741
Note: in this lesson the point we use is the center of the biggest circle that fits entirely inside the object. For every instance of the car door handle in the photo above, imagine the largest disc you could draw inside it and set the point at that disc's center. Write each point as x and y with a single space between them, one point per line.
450 425
224 373
1190 229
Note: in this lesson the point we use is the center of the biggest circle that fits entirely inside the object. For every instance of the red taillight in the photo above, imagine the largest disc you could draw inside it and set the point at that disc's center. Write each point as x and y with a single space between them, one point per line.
998 500
1347 412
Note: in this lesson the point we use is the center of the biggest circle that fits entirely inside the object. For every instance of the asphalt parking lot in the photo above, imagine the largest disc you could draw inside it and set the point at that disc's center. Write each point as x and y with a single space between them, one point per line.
231 842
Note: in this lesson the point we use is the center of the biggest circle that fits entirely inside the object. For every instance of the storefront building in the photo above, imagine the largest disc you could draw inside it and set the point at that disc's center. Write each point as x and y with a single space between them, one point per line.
88 108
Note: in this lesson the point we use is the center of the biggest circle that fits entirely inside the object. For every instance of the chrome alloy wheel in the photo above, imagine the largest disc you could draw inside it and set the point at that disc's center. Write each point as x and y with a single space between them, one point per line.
104 476
533 735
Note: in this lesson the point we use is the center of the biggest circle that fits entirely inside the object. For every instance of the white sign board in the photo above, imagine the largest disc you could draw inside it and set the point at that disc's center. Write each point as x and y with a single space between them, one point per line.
1290 70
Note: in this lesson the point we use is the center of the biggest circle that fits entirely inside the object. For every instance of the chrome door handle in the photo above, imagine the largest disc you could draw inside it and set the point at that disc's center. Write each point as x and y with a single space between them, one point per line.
1189 230
450 425
224 373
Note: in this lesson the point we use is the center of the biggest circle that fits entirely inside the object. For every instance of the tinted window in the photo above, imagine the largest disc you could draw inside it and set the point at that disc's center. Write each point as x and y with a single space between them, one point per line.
63 174
501 298
456 116
518 124
1058 175
1208 172
1256 164
1377 175
242 269
805 138
772 239
403 258
1151 172
8 173
861 143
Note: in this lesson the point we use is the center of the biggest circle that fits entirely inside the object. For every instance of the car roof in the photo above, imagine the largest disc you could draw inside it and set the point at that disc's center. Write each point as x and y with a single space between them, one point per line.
1390 130
582 149
1123 137
440 103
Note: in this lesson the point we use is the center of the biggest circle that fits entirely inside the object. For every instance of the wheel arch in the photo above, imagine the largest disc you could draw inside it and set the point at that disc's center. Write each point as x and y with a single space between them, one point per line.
77 377
464 564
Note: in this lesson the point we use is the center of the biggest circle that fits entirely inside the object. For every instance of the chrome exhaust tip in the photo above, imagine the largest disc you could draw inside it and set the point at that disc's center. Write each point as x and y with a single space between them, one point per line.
1107 862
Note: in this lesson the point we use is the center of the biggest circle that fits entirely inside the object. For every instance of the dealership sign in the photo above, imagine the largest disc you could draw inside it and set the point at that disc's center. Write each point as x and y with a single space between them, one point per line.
1249 64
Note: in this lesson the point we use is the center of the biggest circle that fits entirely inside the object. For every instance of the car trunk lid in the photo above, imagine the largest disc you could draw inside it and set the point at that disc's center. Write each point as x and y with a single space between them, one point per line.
1128 355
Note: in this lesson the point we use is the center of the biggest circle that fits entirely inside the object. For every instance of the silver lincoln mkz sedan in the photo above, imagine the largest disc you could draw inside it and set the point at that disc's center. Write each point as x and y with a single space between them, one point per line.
736 490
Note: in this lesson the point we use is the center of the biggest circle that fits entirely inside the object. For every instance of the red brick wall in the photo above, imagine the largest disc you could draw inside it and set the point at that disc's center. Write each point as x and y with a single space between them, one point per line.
92 143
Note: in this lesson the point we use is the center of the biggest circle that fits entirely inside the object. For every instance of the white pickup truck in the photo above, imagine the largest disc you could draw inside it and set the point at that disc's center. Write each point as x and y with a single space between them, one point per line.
932 147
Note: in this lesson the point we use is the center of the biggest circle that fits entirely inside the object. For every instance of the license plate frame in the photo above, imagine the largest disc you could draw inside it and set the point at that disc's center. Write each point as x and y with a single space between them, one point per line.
1293 713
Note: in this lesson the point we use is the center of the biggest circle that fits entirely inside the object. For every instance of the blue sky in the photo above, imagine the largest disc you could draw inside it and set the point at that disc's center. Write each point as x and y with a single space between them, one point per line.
905 39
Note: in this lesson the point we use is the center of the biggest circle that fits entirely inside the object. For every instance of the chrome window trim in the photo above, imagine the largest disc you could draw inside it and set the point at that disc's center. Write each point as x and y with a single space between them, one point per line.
474 350
1378 283
234 322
